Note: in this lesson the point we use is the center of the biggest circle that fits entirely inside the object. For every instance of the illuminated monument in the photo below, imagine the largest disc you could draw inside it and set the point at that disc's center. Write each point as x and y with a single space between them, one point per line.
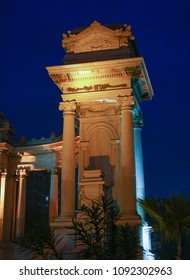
103 81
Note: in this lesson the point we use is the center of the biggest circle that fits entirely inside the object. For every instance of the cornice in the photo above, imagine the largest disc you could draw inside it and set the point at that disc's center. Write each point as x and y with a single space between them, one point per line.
41 148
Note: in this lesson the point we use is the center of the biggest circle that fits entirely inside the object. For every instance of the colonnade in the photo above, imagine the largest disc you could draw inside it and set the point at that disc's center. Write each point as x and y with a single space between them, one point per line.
18 207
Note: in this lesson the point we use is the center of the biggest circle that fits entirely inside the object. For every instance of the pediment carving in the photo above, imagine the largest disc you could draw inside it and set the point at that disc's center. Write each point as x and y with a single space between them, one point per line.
97 37
95 42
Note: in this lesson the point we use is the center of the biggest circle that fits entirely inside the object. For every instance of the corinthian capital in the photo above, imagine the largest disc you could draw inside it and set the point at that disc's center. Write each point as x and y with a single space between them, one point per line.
134 71
68 106
21 173
3 172
126 102
138 121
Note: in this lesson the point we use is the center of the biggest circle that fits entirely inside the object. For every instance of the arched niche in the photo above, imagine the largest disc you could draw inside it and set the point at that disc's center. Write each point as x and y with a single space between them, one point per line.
102 125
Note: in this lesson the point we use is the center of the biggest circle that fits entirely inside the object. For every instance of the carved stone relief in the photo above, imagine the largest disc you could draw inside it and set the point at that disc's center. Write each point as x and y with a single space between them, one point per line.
97 87
97 37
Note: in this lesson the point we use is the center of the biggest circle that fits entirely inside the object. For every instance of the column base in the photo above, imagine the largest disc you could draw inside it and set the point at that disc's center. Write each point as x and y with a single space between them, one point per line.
146 242
62 222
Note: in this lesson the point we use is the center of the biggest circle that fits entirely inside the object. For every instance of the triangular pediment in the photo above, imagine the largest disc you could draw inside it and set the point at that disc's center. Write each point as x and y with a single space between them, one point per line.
97 37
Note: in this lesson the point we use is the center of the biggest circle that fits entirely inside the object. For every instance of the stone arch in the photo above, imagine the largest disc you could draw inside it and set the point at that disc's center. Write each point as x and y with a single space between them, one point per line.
100 149
104 126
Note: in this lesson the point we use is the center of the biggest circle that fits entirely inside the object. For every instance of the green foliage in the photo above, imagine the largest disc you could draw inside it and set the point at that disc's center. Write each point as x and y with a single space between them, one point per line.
96 233
99 237
170 219
128 247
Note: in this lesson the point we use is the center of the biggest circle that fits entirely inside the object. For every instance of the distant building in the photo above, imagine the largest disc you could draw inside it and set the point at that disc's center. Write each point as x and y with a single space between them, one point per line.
103 81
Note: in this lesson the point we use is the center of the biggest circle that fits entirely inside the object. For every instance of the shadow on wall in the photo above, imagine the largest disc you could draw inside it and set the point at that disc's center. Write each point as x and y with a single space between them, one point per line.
103 163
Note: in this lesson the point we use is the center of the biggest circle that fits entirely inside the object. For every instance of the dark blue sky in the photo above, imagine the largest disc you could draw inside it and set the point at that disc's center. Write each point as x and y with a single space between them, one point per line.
31 34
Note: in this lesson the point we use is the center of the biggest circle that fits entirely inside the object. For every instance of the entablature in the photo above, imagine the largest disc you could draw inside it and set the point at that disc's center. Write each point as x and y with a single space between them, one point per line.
40 149
102 76
96 96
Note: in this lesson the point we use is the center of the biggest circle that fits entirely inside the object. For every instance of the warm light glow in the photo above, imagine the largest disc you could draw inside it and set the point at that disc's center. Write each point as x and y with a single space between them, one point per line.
106 100
84 72
27 157
2 197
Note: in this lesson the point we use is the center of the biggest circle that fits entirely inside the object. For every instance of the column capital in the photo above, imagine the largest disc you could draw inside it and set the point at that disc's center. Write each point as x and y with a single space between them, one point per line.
134 72
68 106
3 172
21 173
127 102
138 121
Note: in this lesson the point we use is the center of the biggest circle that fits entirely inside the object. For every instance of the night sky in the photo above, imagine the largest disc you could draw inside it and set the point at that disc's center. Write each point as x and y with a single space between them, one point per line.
31 34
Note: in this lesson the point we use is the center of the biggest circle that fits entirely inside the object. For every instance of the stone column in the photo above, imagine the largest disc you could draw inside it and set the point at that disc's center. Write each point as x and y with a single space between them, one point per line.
146 242
127 164
145 236
53 200
3 175
21 204
68 161
16 181
139 166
